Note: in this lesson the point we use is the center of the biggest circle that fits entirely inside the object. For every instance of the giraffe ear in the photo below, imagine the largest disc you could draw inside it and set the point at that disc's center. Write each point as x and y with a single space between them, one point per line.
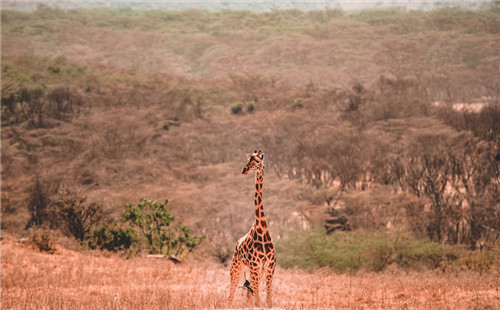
262 156
248 156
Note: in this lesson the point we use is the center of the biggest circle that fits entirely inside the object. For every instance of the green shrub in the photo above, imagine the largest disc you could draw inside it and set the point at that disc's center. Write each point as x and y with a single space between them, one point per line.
164 235
378 16
111 238
343 251
237 108
309 249
250 106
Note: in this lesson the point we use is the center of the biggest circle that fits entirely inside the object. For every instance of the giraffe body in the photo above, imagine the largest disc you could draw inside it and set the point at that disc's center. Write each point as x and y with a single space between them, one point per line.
255 250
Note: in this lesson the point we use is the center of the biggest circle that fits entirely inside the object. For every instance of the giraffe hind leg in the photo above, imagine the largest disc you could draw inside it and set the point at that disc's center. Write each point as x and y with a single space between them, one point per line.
236 271
255 276
269 273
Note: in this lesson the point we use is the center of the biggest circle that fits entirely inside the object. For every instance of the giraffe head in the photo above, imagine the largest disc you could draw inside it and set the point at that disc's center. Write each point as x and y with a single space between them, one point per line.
255 162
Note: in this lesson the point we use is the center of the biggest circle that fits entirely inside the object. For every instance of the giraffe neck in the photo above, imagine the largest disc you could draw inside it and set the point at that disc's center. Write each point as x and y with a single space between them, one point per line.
260 218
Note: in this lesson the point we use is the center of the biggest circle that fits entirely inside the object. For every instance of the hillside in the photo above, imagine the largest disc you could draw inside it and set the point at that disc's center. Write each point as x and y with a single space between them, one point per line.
292 48
122 104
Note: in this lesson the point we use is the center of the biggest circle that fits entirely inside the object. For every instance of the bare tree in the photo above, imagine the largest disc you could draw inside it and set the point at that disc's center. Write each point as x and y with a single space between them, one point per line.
476 179
457 176
78 214
38 203
426 173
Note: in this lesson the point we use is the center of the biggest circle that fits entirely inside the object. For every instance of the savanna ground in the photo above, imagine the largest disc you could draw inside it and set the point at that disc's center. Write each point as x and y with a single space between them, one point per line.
72 280
378 191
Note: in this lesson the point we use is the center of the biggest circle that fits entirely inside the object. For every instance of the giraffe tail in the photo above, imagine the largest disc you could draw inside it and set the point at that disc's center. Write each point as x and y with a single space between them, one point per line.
247 286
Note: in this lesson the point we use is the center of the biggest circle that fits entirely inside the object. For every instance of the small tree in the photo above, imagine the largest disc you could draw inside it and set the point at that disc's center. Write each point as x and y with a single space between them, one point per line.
78 215
37 205
163 233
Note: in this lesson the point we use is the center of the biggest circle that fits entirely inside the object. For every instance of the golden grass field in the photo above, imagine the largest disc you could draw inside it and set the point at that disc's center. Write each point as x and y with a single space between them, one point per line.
91 280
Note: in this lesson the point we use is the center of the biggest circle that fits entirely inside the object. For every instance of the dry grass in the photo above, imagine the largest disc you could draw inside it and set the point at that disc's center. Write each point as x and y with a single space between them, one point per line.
72 280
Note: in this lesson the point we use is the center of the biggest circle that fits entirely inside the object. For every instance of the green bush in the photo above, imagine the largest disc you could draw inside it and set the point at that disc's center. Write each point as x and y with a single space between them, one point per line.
250 106
343 251
237 108
111 238
164 235
378 16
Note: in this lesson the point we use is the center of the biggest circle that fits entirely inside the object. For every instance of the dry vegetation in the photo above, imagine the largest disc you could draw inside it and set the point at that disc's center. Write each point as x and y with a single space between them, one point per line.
356 113
73 280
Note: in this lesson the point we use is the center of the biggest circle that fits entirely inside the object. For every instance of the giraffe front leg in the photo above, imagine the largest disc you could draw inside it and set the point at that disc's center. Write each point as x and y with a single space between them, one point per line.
255 276
235 273
269 284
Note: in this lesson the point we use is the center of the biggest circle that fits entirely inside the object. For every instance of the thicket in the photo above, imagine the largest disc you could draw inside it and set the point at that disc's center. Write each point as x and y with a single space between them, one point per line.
64 209
112 238
148 225
163 233
352 251
149 222
36 91
453 174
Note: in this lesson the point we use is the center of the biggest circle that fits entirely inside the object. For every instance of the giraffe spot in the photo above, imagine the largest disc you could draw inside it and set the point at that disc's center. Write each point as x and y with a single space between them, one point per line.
260 238
259 230
264 225
258 247
254 236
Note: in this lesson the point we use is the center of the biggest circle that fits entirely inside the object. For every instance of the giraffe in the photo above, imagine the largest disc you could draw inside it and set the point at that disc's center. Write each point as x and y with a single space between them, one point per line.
255 250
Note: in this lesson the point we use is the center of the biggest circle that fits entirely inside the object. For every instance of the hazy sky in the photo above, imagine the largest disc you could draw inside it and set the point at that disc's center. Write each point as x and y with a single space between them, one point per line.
256 5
